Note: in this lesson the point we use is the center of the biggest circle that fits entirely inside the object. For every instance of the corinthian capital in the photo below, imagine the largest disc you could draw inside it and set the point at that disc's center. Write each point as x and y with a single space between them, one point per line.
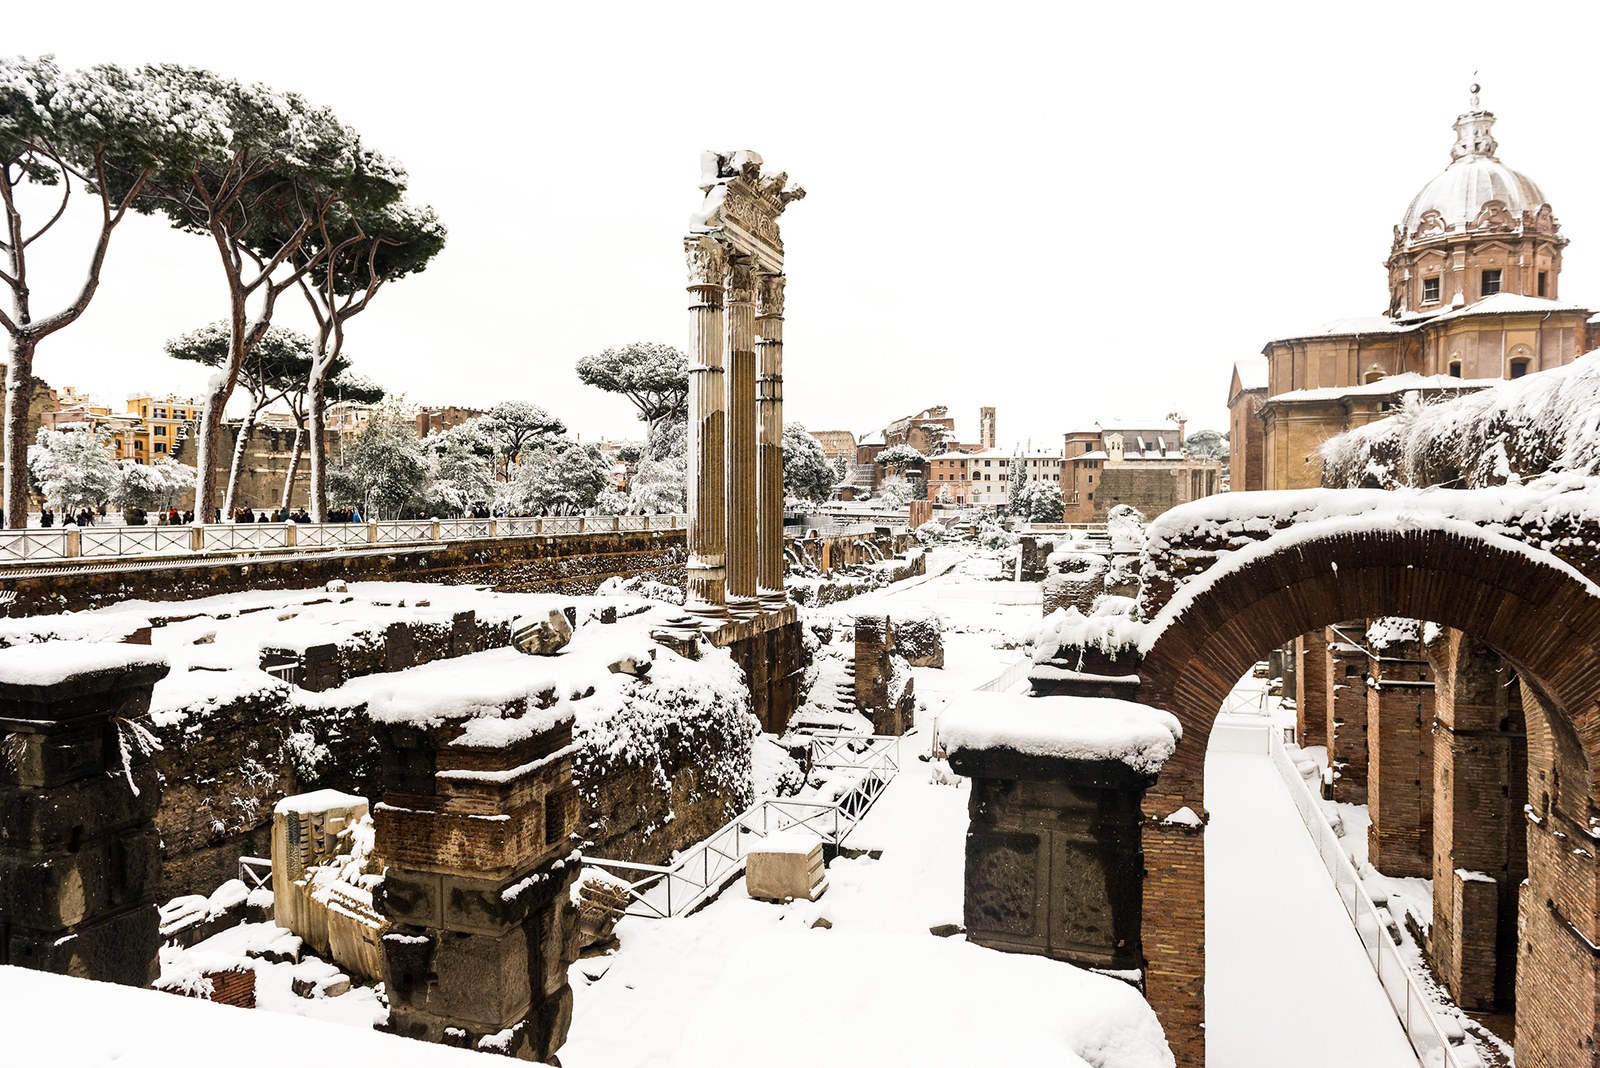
741 278
707 258
769 294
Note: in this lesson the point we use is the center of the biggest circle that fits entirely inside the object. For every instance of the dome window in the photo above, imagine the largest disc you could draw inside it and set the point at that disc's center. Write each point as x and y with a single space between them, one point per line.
1430 290
1490 282
1544 283
1455 368
1519 368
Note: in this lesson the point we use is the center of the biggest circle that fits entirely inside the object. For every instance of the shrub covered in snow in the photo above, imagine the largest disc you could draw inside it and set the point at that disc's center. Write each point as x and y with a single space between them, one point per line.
1509 432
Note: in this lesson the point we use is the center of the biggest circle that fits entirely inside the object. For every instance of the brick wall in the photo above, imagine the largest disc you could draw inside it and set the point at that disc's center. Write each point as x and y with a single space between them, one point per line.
1400 761
575 563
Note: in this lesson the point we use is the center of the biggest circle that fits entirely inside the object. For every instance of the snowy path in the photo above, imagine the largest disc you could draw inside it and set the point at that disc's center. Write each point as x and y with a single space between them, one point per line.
1287 981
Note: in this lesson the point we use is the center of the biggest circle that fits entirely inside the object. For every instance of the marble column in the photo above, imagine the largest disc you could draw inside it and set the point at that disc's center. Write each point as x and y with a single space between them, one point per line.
769 467
740 472
707 503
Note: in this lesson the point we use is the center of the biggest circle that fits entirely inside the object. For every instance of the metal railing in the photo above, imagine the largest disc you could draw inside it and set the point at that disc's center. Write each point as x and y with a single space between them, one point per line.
1010 678
698 874
34 545
1439 1041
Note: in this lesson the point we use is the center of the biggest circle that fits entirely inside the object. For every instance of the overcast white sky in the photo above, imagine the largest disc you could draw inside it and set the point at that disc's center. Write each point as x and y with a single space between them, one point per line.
1069 212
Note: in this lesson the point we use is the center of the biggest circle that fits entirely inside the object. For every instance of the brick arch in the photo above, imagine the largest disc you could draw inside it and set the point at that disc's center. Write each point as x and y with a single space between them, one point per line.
1537 612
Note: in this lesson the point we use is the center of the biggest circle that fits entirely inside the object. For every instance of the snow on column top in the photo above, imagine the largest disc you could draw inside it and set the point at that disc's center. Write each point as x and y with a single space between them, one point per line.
327 800
52 663
1066 728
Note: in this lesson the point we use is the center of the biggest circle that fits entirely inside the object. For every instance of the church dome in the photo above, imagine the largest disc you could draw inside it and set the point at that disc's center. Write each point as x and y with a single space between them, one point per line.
1477 192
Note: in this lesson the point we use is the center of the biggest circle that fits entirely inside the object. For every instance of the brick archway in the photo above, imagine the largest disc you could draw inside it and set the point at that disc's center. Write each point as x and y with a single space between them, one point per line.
1539 613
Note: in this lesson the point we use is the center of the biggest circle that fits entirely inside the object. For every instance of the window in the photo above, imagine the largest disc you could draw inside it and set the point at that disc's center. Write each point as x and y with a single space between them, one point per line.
1091 496
1430 290
161 431
1491 281
1544 283
161 446
1519 368
1091 480
1455 368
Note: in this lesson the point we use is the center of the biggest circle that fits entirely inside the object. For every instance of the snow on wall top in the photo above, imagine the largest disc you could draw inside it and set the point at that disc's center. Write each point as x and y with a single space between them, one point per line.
1515 430
1385 387
328 800
1070 728
52 662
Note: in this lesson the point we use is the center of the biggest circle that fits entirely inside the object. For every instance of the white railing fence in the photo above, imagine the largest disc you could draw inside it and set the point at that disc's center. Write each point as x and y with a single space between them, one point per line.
106 542
701 872
1438 1040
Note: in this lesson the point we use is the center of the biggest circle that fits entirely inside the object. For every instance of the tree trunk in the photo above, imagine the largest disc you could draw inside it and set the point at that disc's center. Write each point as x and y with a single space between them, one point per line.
19 395
294 467
316 396
207 445
230 499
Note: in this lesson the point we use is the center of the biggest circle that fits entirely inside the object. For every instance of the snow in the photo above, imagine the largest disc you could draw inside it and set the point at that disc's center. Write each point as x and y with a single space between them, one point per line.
135 1028
53 662
1070 728
318 801
1384 387
1280 949
731 983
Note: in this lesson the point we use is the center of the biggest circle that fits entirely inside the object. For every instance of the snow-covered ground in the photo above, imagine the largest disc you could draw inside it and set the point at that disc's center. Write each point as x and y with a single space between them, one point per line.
1287 980
855 978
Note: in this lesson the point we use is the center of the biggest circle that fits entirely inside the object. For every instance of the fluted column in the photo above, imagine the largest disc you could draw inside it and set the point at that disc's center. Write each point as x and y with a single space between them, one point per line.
707 503
740 391
769 468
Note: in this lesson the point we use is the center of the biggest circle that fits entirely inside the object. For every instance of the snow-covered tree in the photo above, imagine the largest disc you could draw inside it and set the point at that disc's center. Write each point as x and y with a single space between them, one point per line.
807 474
561 478
353 256
901 454
277 363
462 465
660 485
654 377
98 132
342 385
518 427
157 486
1210 444
895 492
1038 502
385 469
278 174
73 468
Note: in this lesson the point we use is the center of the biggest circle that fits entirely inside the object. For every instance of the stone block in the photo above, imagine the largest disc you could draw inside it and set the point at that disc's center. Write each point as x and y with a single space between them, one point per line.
786 866
47 759
55 891
481 980
415 898
64 816
117 947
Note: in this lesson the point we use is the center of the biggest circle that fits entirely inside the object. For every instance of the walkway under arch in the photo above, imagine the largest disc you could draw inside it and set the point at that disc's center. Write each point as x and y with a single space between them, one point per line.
1537 611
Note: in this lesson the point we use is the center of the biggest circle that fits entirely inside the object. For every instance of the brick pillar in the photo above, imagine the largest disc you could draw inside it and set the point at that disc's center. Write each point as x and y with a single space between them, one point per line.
80 859
1311 687
1558 973
1174 930
1347 713
1480 780
479 841
1400 759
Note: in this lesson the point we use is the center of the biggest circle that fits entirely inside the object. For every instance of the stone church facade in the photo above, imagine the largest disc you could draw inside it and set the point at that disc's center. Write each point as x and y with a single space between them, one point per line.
1474 274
